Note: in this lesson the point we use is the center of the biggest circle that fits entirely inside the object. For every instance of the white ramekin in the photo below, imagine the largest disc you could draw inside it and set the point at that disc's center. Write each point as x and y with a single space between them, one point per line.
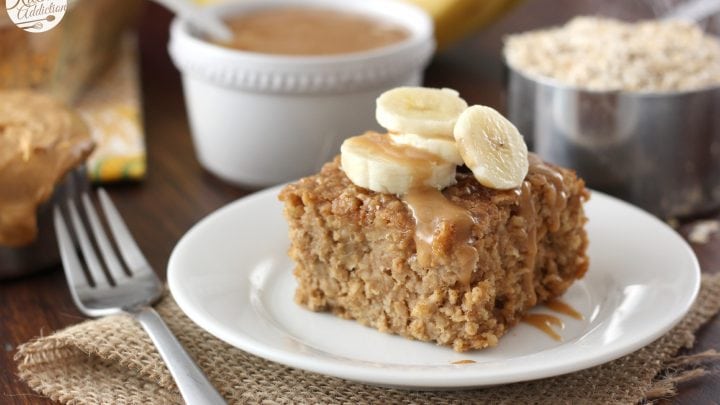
260 119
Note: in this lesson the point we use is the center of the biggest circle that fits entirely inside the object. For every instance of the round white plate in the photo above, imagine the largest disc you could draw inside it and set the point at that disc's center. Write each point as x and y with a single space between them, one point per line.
231 275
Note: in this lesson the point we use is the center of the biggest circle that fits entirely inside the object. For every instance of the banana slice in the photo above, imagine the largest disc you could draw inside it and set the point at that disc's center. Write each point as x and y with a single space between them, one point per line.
419 110
491 147
441 146
374 162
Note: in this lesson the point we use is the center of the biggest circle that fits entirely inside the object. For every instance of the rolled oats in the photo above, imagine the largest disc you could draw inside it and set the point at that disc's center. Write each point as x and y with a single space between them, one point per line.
604 54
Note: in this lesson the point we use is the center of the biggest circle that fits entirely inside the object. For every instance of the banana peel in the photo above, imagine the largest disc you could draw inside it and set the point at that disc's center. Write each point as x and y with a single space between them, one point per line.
454 19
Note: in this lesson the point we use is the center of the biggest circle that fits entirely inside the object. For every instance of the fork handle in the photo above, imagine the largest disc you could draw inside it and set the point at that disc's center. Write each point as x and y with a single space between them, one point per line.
192 382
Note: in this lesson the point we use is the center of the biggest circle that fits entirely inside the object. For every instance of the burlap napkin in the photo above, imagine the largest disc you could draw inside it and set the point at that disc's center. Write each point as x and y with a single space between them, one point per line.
111 360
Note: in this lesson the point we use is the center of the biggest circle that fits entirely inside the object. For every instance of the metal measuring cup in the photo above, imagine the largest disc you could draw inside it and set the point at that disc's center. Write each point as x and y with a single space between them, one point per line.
660 151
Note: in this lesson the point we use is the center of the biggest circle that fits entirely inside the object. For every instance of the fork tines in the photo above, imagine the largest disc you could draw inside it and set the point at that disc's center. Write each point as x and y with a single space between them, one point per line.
99 266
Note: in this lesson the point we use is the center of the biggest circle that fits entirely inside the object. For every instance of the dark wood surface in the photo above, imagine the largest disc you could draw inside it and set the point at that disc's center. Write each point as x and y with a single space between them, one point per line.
177 192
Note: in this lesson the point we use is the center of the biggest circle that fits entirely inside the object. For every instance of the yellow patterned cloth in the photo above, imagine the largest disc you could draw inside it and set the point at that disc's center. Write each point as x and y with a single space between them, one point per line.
112 109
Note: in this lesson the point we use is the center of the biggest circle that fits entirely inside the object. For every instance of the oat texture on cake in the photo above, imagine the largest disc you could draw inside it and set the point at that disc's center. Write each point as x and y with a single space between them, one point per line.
356 254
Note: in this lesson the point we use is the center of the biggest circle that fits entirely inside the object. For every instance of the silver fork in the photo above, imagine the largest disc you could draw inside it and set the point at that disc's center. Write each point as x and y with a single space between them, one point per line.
104 286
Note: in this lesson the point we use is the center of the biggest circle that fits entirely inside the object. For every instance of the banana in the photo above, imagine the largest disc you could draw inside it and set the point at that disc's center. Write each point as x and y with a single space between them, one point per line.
419 110
442 146
455 19
374 162
491 147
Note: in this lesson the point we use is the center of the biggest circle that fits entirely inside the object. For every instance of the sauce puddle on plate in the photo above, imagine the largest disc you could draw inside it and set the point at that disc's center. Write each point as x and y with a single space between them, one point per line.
463 362
545 322
564 308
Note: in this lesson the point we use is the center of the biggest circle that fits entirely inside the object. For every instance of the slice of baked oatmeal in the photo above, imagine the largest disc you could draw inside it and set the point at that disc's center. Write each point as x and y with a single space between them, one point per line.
357 253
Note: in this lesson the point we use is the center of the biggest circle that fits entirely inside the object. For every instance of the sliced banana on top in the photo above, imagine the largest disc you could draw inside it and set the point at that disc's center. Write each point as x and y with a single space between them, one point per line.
492 147
374 162
419 110
442 146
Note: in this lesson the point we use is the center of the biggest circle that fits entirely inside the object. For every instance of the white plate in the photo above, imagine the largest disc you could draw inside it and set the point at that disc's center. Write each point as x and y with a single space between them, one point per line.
231 275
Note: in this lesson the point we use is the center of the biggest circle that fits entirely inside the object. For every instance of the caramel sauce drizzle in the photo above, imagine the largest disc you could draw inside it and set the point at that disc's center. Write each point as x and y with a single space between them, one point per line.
463 362
563 307
544 322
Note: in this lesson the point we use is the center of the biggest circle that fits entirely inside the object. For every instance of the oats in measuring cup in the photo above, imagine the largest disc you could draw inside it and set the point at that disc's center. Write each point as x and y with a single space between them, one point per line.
604 54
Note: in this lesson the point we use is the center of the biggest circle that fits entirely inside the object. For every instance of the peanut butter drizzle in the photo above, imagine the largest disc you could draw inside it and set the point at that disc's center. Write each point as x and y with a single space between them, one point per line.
527 211
562 307
463 362
381 146
558 195
432 211
544 322
558 198
40 140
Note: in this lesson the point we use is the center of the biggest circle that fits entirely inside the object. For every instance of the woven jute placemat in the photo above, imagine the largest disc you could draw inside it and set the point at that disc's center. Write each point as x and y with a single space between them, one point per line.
112 361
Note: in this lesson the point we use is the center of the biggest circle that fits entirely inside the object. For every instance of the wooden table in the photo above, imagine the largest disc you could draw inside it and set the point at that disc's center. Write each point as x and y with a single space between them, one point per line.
177 192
